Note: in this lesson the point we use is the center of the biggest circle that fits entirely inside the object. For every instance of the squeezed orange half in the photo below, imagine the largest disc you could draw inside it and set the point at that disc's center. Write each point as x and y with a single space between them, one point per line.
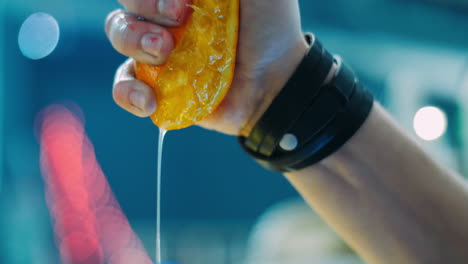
199 71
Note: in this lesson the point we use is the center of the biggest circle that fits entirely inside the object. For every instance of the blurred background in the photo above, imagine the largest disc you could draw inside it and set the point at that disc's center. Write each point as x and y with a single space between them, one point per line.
218 206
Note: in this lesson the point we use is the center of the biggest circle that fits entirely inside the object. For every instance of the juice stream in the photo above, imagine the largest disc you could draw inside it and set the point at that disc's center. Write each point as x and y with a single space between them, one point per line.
162 133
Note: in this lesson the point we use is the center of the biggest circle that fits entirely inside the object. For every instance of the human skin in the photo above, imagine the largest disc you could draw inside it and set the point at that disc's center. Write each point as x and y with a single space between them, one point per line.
381 192
267 56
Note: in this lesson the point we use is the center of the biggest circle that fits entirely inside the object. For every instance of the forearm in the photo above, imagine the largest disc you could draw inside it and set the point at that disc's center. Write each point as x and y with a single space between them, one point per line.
388 199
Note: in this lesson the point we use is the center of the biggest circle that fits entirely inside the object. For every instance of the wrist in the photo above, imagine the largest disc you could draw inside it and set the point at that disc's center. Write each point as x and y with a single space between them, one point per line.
321 107
271 79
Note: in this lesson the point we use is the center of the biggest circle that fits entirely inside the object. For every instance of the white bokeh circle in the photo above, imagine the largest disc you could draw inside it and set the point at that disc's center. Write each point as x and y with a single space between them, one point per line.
430 123
38 36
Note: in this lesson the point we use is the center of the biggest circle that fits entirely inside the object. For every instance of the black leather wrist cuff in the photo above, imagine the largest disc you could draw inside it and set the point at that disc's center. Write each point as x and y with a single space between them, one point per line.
309 121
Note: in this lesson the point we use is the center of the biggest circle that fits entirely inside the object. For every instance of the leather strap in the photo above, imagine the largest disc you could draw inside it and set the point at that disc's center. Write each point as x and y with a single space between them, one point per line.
320 118
296 98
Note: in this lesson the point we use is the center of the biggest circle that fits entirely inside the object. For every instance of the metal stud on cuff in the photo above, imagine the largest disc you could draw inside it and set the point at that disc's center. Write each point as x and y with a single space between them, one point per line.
289 142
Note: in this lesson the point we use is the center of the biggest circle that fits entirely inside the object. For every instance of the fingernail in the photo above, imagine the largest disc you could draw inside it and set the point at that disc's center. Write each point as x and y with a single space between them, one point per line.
172 9
151 43
138 100
144 105
151 107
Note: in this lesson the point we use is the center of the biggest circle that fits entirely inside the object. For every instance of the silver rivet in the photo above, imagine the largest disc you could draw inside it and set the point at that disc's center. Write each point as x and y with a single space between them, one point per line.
289 142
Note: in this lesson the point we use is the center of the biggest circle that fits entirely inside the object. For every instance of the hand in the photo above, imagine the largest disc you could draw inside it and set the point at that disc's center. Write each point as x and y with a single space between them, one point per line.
271 45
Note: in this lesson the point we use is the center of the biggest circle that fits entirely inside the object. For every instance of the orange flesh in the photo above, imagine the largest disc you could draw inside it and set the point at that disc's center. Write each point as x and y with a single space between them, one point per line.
199 72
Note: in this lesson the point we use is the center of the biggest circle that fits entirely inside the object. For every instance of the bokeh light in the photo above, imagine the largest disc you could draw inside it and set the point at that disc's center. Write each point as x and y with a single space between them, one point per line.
430 123
88 222
38 36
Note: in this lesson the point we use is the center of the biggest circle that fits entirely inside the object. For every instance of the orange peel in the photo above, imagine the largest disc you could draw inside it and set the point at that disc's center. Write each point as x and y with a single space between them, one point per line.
198 73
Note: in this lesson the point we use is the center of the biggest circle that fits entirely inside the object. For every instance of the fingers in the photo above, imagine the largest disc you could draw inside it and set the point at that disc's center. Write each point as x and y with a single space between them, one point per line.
131 94
142 40
164 12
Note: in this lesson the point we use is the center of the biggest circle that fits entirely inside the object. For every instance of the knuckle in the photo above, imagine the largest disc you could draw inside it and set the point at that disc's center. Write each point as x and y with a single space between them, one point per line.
111 19
124 42
121 37
141 7
120 92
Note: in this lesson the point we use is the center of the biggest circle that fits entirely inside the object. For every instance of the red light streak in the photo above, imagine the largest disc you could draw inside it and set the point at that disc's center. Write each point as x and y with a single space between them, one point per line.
89 224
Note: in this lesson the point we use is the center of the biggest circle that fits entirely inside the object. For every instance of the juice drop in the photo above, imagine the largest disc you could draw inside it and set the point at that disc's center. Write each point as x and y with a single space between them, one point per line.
162 133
